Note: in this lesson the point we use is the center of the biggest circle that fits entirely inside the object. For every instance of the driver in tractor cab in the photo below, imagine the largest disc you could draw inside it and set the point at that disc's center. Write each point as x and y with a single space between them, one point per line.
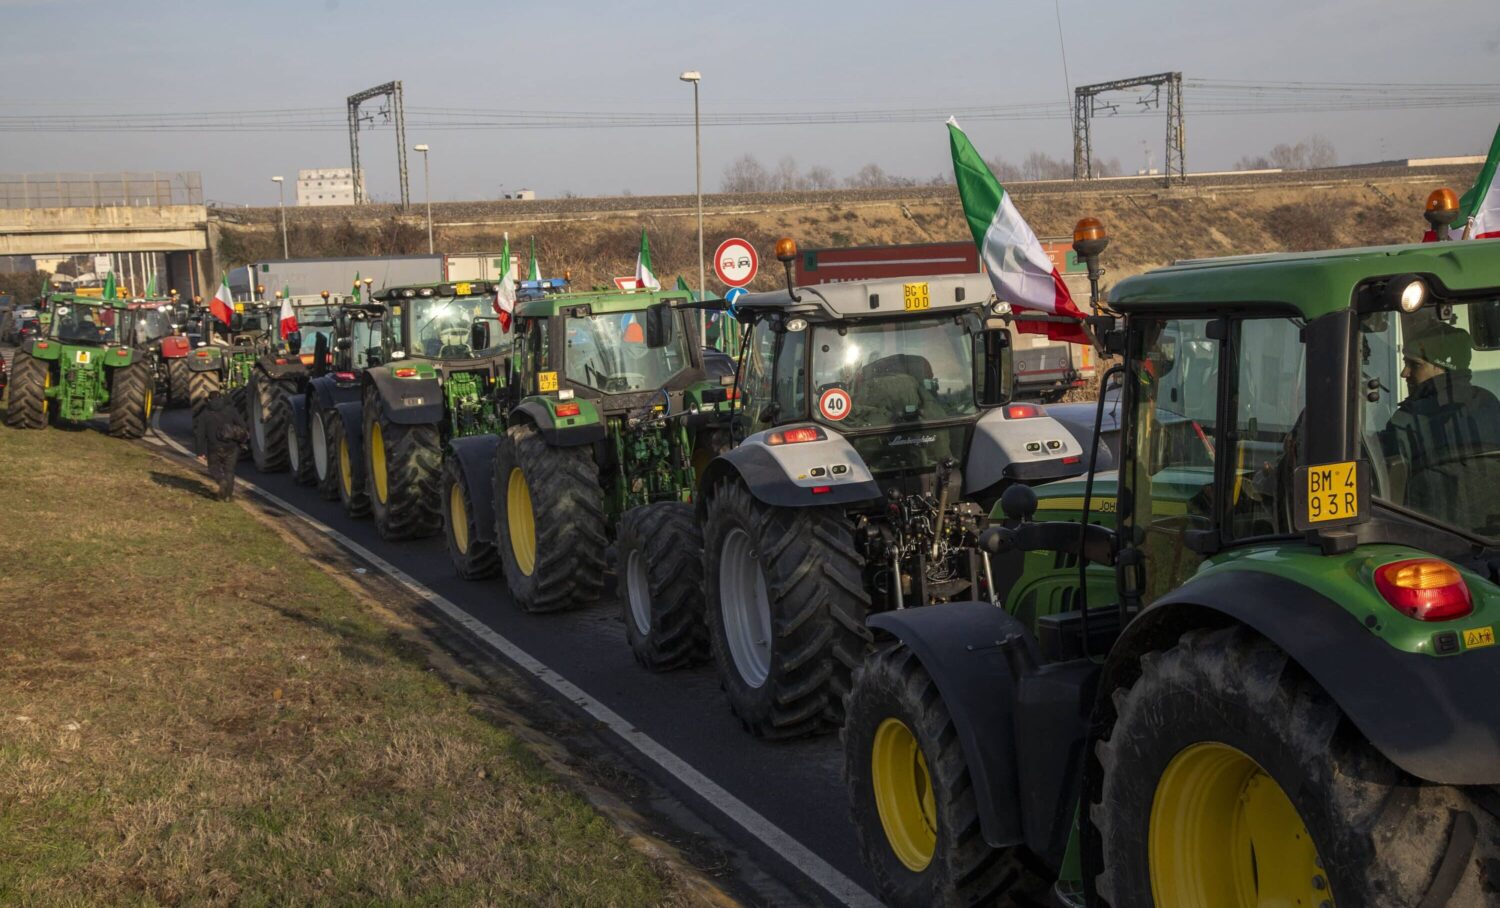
1448 428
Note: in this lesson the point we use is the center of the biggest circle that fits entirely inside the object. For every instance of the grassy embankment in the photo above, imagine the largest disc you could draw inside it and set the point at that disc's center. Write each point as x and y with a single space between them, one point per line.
190 712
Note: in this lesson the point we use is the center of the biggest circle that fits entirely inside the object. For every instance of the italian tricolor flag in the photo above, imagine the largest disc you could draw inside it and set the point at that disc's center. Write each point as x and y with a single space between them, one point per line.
1019 268
1479 209
534 273
505 291
645 278
288 317
222 305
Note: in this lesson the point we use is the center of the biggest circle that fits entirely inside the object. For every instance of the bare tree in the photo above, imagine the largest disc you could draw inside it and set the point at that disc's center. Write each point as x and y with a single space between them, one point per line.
1312 152
788 178
821 178
745 175
1258 162
870 176
1041 166
1004 171
1320 151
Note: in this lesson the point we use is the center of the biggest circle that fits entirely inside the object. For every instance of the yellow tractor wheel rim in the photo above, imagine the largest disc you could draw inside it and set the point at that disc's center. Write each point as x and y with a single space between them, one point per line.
459 518
1224 833
46 402
903 794
377 461
521 521
346 469
148 403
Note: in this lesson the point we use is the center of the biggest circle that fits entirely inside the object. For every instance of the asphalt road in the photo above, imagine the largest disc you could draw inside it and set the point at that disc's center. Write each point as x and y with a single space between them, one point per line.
797 787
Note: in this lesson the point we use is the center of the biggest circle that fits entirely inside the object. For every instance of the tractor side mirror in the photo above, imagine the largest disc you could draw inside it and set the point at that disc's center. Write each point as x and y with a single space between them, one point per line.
294 342
479 336
660 328
320 354
994 367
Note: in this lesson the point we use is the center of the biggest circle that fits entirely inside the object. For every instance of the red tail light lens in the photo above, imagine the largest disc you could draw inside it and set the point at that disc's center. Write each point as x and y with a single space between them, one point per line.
796 436
568 410
821 490
1425 589
344 376
1022 411
407 372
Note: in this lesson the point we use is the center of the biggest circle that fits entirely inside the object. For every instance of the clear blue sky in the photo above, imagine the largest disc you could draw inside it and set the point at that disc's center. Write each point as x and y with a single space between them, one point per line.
149 56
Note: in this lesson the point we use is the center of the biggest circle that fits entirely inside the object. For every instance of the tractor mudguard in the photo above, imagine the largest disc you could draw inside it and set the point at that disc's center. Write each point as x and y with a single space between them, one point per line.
213 362
1433 716
325 388
1031 449
42 349
174 346
299 413
476 453
292 368
785 476
536 413
959 644
408 401
352 415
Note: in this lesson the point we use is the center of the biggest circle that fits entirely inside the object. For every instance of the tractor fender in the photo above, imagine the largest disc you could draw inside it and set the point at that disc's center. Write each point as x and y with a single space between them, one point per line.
213 362
1030 450
959 644
323 388
352 416
785 476
48 351
536 413
174 346
476 454
299 413
1432 716
408 401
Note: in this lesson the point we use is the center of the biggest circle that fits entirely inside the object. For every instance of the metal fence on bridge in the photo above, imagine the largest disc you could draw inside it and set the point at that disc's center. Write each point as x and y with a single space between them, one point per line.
146 189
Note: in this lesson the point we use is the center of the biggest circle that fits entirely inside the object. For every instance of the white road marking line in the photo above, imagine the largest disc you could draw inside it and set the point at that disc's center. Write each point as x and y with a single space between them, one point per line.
772 836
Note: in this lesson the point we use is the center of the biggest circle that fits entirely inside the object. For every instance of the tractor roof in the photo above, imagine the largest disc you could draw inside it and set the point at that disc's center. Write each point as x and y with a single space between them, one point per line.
875 299
75 299
1313 283
440 288
599 302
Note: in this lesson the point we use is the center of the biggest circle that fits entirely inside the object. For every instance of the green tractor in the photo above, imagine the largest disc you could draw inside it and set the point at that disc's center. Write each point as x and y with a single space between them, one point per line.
442 357
225 357
281 373
1257 664
610 413
84 363
315 437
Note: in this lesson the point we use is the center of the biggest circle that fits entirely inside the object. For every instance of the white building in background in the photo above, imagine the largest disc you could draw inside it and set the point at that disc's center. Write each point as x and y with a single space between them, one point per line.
327 186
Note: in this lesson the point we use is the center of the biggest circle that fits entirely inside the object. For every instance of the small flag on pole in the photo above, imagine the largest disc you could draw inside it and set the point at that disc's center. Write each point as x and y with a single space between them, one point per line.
288 317
1479 208
535 272
1018 267
505 290
222 305
644 277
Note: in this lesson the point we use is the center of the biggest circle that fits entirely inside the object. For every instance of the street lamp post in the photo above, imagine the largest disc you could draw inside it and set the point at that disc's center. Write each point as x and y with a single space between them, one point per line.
281 203
427 187
695 77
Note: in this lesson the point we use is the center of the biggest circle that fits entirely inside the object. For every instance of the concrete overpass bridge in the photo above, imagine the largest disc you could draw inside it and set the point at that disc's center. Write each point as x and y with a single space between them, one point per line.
81 214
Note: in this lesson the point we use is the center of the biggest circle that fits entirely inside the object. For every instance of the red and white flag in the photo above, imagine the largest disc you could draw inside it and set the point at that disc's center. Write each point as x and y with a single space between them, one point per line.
505 291
288 318
222 305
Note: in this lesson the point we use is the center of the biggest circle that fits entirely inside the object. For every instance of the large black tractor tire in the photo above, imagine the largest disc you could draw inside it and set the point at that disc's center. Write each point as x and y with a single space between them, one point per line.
179 391
131 393
239 398
549 522
912 798
324 450
403 472
299 449
1226 762
348 471
28 406
473 558
660 577
786 611
200 386
270 405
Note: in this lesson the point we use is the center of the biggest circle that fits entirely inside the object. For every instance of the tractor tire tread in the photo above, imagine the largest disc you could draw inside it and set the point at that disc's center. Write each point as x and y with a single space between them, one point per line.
670 540
129 391
27 407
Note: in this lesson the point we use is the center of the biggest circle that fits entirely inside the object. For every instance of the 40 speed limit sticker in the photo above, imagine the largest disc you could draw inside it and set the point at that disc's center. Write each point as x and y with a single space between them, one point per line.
834 404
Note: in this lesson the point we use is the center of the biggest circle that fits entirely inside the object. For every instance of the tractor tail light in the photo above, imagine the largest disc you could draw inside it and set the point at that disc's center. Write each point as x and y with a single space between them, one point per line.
281 360
202 354
821 490
568 409
1022 411
1425 589
407 372
796 436
344 376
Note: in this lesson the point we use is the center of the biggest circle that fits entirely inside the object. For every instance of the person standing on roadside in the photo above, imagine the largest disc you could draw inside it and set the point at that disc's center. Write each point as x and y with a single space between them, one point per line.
219 430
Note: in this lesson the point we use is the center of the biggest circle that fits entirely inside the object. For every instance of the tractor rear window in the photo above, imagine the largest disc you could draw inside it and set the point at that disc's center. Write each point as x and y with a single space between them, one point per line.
440 325
609 352
893 374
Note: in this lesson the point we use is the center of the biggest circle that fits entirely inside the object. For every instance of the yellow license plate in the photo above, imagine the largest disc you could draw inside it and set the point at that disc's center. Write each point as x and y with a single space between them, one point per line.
1479 636
546 381
81 357
1333 492
461 289
916 297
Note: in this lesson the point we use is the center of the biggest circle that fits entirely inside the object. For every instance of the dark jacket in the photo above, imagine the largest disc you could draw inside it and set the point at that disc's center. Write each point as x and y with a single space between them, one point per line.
219 423
1448 434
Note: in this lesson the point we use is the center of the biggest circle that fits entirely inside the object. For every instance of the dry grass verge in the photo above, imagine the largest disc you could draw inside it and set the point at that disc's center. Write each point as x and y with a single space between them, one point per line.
191 713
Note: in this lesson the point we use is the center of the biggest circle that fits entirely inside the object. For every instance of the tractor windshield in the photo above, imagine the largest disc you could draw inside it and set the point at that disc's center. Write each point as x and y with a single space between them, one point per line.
82 324
1431 417
439 326
609 352
893 373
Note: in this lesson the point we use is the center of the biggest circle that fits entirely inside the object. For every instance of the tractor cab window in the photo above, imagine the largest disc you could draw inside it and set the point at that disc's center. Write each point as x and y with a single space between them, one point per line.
1269 394
609 352
893 373
1174 371
365 347
85 324
1430 417
439 326
772 382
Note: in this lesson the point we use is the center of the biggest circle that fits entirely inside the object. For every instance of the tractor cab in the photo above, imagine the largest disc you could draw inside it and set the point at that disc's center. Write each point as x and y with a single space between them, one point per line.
442 323
357 339
1224 660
